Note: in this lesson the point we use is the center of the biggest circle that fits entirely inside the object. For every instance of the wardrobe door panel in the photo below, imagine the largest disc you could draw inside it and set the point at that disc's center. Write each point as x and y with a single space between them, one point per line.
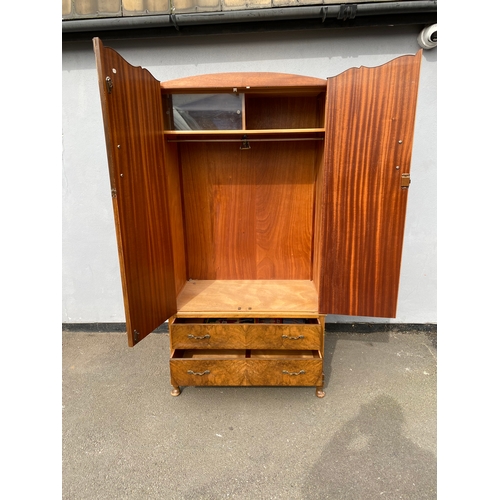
131 107
368 144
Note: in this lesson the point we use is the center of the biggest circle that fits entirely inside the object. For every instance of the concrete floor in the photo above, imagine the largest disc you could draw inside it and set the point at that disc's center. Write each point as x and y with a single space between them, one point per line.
372 436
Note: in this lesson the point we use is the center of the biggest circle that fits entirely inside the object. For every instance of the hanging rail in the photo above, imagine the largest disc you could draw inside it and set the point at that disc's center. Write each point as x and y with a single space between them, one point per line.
247 139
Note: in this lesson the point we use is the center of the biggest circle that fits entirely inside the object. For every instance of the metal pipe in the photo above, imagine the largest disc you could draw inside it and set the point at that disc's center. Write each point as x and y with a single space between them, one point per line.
249 15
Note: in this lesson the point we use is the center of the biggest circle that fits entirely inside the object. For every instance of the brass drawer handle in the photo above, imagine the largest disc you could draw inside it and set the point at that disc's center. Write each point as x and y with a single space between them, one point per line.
292 338
292 373
191 372
207 336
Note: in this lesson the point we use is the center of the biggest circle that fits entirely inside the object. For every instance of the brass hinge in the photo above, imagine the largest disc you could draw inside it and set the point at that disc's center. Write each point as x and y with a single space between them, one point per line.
109 84
405 181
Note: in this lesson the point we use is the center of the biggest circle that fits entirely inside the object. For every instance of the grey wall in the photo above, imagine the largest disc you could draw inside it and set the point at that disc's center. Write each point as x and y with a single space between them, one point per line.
91 287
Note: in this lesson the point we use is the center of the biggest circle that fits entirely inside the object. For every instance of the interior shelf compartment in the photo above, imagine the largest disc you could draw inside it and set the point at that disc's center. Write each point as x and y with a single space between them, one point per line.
199 112
222 111
287 111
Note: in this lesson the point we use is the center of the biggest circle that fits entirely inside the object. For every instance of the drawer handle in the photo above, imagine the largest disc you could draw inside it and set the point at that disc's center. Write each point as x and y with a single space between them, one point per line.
207 336
292 373
191 372
292 338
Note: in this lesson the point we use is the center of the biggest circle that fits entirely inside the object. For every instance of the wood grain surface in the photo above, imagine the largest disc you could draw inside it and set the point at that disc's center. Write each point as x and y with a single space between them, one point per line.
368 144
271 111
243 81
245 335
249 213
251 228
250 368
244 298
176 214
133 127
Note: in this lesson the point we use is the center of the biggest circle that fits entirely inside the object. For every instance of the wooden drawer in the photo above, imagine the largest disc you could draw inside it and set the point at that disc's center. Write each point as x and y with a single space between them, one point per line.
208 367
285 336
194 333
197 367
297 368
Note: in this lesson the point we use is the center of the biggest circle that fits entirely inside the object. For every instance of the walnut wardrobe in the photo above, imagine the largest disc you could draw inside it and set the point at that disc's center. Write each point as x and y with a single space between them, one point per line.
250 205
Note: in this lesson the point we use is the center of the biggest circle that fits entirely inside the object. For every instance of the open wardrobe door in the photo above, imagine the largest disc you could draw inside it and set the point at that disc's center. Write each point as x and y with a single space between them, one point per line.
368 145
133 124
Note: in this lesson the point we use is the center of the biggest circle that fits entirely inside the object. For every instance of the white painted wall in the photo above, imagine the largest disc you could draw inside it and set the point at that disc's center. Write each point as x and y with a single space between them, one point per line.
91 287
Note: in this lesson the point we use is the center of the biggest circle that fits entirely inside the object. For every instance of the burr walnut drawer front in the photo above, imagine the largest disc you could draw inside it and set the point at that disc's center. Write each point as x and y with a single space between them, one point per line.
294 368
198 333
195 333
286 335
244 367
208 367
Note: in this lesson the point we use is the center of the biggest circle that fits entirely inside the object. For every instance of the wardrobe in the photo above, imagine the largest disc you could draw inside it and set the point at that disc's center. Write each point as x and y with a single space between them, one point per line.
249 205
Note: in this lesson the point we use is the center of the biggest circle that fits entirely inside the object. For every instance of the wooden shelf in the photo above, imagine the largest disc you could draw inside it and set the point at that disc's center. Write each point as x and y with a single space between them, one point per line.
248 298
312 132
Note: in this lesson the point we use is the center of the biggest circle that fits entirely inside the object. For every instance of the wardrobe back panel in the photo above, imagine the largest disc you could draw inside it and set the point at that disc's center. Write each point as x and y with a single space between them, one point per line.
249 213
269 111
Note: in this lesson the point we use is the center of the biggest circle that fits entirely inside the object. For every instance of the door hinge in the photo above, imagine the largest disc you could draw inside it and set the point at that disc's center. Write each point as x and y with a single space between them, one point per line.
136 336
113 192
405 181
109 84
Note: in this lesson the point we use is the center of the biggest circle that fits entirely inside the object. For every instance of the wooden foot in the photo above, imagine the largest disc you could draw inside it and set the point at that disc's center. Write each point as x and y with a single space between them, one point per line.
320 393
175 391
